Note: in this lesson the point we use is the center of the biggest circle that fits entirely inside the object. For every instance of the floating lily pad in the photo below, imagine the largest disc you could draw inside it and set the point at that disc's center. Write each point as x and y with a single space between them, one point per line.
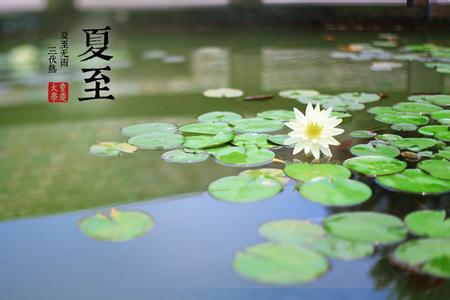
391 138
367 227
244 157
343 249
207 141
336 191
243 189
416 107
414 181
319 99
441 115
374 150
180 156
340 115
443 136
438 168
404 127
381 110
279 139
375 165
144 128
360 97
280 264
280 114
276 174
443 154
257 125
433 129
246 139
151 141
429 223
223 93
219 116
342 105
441 100
117 226
306 171
106 149
292 231
415 144
430 256
206 128
362 134
390 118
294 94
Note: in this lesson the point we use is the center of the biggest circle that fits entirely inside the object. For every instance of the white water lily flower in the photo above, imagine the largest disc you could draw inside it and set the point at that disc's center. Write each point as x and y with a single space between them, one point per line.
314 131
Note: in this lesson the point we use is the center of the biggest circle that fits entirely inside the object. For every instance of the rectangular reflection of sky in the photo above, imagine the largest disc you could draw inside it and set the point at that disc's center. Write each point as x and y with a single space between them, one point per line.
22 6
147 4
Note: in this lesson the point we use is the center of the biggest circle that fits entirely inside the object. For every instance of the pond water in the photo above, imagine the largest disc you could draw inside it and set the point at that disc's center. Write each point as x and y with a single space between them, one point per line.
49 181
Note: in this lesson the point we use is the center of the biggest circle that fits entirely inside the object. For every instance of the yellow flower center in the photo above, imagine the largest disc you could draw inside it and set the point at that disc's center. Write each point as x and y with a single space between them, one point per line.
313 130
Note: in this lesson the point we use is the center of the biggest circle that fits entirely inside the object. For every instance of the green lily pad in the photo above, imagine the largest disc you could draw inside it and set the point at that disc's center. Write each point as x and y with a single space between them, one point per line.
117 226
439 168
279 139
441 100
219 116
429 223
151 141
295 232
104 150
362 134
367 227
256 125
343 249
440 115
206 128
244 157
306 171
433 129
342 105
443 136
415 144
374 150
280 264
416 107
223 93
272 173
443 154
430 256
319 99
180 156
294 94
243 189
360 97
404 127
207 141
375 165
280 114
256 139
144 128
414 119
391 138
414 181
336 191
381 110
214 150
340 115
